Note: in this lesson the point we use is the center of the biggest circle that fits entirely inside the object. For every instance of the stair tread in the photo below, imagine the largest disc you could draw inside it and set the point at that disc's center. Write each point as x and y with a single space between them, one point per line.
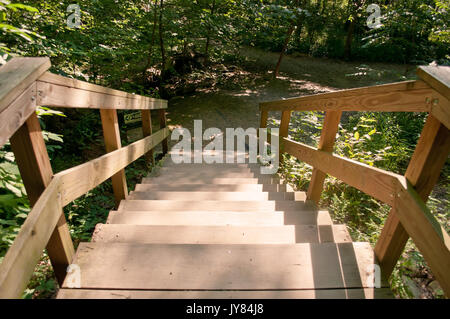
216 196
195 234
176 187
361 293
212 205
209 180
203 266
219 218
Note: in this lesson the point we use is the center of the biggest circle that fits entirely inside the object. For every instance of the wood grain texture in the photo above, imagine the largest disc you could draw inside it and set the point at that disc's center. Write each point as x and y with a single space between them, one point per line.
195 234
35 169
409 96
202 266
366 293
438 77
373 181
17 75
54 95
80 179
147 130
426 232
111 135
162 125
17 112
220 218
23 255
56 84
326 143
423 172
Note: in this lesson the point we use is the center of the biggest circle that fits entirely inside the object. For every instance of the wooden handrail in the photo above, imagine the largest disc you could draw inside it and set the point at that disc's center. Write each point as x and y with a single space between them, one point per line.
66 186
408 96
25 84
405 194
18 92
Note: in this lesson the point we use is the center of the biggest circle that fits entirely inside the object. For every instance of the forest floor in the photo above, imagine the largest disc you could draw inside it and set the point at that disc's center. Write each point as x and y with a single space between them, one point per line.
229 96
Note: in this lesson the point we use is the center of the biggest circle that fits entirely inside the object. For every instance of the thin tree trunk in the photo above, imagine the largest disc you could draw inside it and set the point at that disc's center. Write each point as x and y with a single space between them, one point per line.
208 34
286 42
349 40
161 40
152 41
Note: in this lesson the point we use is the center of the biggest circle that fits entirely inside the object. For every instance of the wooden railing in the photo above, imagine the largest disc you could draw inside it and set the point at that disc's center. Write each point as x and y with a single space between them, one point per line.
409 217
24 85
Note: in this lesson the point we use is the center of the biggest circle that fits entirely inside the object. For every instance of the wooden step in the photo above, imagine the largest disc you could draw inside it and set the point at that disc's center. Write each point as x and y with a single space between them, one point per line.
168 234
213 188
217 196
209 180
217 218
211 205
224 267
175 174
364 293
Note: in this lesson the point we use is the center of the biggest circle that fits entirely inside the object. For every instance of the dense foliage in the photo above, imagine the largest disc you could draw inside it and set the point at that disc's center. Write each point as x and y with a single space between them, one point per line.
153 47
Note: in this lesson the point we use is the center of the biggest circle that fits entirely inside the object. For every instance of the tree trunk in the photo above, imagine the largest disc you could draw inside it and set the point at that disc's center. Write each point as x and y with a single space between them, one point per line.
152 41
349 40
208 34
286 42
161 40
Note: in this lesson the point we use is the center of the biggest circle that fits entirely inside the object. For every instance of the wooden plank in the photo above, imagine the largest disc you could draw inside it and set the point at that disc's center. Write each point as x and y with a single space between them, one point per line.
438 77
23 255
440 108
406 96
16 76
423 172
426 232
212 180
54 95
176 187
211 205
194 234
326 144
59 81
162 125
366 293
97 171
17 112
32 159
375 182
165 266
208 195
111 135
147 130
220 218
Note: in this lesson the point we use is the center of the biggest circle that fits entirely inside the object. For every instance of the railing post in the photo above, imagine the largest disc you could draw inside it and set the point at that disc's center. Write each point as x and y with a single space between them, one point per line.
284 128
32 158
423 172
147 131
326 143
163 124
111 134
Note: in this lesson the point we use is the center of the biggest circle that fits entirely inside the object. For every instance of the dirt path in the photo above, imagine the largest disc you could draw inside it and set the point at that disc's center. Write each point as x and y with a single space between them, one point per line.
233 100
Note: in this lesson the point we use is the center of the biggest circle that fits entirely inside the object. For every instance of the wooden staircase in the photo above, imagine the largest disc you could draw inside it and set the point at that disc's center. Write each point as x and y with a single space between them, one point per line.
220 231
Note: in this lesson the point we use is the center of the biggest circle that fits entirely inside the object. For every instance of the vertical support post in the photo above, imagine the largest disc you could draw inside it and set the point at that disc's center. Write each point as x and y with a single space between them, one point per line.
111 135
423 172
326 143
163 124
284 128
147 131
32 158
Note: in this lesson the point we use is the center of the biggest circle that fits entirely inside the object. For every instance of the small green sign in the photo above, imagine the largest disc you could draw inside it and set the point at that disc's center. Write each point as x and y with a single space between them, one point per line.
132 117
